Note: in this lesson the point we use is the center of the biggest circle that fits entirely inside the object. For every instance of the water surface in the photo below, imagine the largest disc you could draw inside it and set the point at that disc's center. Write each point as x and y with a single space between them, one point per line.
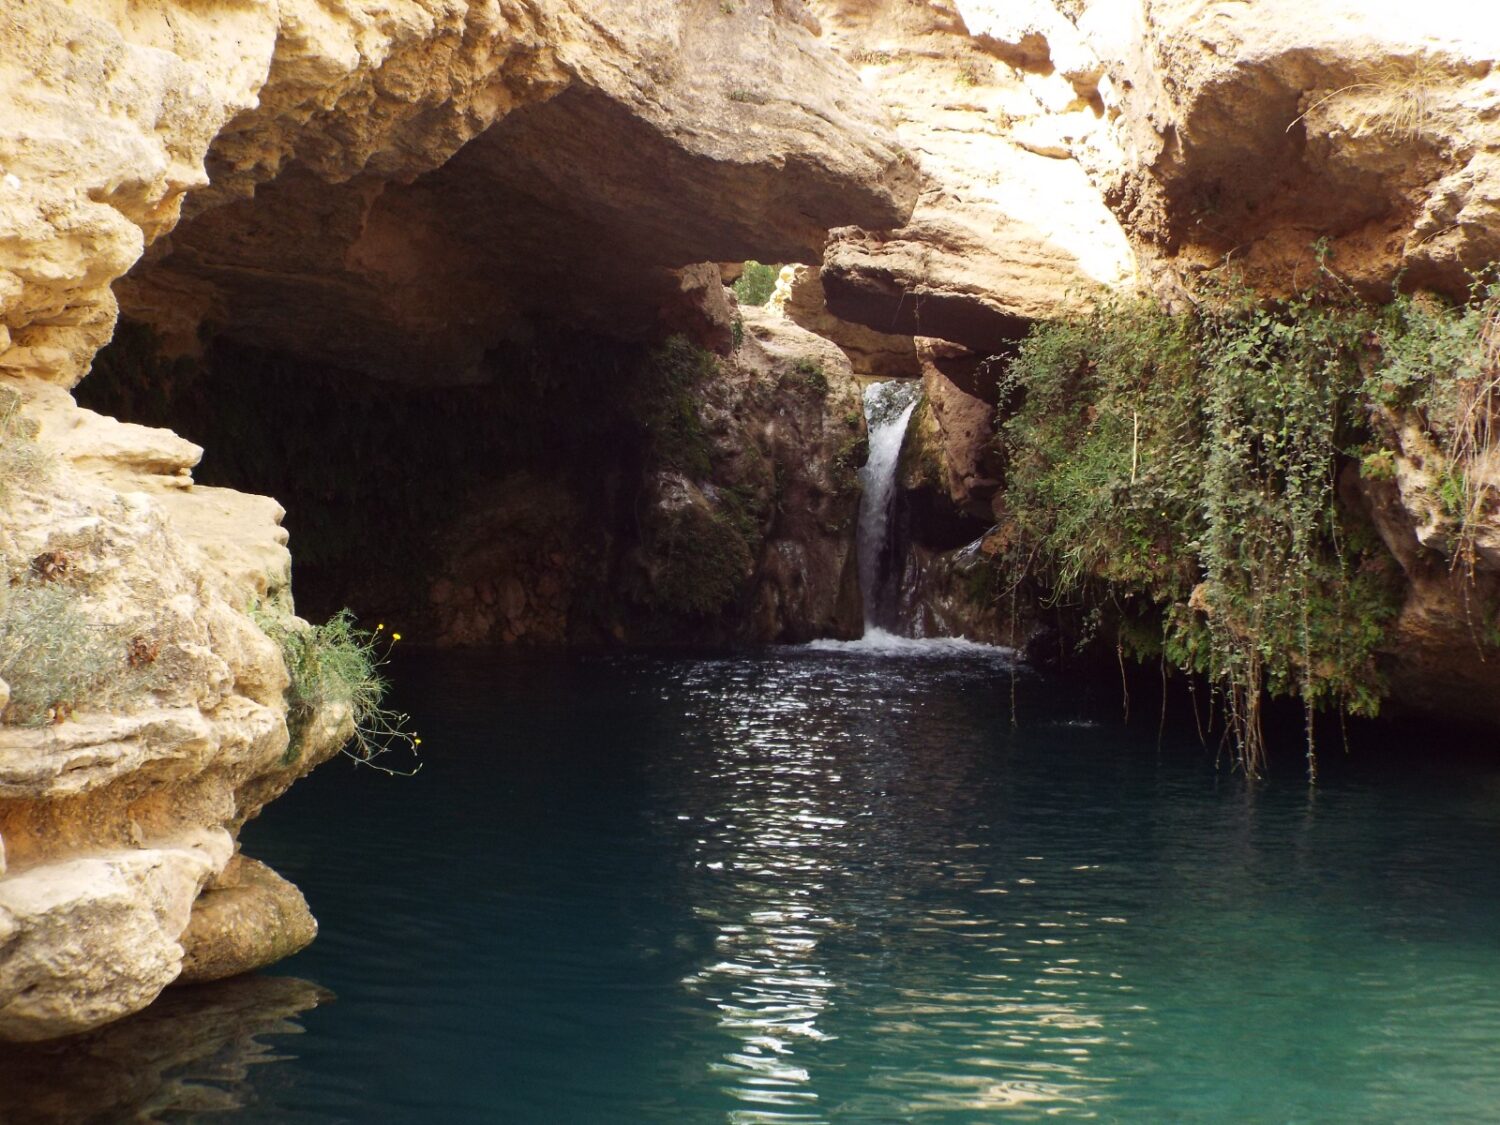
838 885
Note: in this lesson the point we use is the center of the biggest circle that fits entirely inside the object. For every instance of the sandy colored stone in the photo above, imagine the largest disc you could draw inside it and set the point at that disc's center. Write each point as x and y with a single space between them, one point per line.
1253 129
870 353
959 399
1004 232
453 173
104 123
114 818
251 917
90 939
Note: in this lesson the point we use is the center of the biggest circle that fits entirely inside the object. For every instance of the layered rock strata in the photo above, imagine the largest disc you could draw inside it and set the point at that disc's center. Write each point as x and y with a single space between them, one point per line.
1251 131
397 186
146 719
1009 226
460 180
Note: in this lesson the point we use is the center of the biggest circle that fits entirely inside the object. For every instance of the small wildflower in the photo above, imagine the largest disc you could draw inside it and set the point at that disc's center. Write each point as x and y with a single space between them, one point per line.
395 636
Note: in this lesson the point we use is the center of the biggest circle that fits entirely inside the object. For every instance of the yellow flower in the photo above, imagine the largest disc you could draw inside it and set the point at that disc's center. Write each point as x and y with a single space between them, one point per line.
395 636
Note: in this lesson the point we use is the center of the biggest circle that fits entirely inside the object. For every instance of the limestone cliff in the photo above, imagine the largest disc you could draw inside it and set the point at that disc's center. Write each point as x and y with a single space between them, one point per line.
1009 226
1072 147
1252 130
512 202
614 143
399 187
440 184
145 720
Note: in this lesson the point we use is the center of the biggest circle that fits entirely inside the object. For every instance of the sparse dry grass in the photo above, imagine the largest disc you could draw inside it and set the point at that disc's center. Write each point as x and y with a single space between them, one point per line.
54 657
23 463
1396 102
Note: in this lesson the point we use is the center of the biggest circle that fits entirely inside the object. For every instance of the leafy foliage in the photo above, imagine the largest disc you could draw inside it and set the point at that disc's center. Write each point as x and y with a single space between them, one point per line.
1183 470
1442 366
756 284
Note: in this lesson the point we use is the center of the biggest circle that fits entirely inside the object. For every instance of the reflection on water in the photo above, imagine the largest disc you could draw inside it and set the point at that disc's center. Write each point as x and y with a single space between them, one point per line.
190 1053
817 872
840 886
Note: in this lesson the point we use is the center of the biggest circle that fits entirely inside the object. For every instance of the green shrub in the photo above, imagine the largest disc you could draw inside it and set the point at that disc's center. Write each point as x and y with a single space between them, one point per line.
756 284
54 657
336 664
1442 365
1191 462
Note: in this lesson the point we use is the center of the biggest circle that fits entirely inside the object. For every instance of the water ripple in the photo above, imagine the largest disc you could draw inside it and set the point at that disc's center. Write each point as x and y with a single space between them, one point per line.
836 884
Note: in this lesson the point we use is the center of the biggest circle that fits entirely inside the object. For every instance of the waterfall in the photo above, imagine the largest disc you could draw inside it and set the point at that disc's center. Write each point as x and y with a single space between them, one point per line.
888 408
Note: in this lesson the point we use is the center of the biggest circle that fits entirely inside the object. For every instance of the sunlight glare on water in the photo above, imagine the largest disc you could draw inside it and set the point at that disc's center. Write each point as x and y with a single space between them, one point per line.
833 884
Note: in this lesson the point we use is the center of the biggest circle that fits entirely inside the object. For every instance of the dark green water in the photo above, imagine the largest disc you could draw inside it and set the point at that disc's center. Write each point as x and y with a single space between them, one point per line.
826 886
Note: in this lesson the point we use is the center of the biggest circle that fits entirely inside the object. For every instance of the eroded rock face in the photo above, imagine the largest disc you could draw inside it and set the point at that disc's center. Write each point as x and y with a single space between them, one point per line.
519 161
249 918
106 122
398 186
632 141
738 526
146 720
876 355
1253 130
1061 143
1010 227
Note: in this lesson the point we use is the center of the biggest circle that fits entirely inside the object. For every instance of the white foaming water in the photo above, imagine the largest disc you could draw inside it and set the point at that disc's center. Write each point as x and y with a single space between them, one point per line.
879 642
888 408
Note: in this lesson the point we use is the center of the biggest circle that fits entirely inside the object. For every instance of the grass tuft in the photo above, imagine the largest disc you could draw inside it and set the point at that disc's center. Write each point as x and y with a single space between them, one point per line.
337 664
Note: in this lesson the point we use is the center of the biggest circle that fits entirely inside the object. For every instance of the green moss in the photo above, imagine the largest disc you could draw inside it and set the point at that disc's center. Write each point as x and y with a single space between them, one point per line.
704 557
807 377
668 403
852 454
921 462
